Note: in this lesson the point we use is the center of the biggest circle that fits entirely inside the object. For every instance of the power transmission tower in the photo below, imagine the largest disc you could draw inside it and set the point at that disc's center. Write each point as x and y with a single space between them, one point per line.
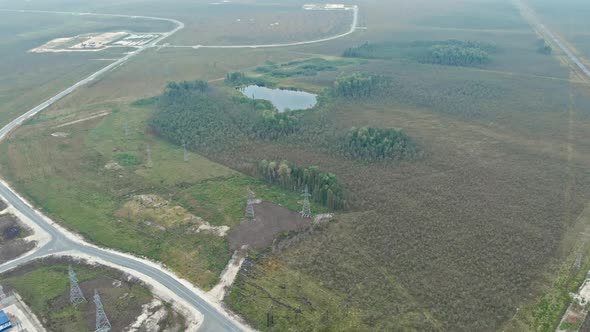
2 295
76 296
306 210
102 322
185 152
578 262
149 163
250 206
126 128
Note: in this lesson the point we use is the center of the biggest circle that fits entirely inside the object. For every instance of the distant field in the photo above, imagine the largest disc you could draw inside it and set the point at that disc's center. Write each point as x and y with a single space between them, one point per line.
568 18
26 79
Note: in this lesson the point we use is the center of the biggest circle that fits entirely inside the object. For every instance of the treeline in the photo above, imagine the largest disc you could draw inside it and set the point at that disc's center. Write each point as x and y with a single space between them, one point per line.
457 53
241 79
323 186
372 144
360 86
365 50
446 52
201 116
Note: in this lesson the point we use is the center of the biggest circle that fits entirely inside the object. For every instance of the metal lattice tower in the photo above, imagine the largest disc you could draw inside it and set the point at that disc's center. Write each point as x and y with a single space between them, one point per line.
250 206
306 210
578 262
76 296
102 322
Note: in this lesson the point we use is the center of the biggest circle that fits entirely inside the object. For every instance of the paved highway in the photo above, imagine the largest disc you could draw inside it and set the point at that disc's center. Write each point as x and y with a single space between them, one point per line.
529 14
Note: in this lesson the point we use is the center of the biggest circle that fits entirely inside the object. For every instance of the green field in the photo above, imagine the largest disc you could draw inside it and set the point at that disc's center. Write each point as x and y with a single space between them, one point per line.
478 234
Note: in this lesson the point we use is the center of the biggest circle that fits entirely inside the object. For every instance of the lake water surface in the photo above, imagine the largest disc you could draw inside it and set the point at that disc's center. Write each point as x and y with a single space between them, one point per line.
282 99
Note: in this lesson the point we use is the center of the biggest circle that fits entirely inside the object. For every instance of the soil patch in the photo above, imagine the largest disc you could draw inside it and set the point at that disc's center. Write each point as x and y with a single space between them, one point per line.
12 234
271 220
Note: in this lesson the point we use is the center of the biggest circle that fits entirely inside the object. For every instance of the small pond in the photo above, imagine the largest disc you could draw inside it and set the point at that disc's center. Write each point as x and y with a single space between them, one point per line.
281 99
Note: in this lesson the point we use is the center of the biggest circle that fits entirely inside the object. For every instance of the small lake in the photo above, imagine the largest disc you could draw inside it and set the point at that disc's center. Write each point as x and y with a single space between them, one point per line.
281 99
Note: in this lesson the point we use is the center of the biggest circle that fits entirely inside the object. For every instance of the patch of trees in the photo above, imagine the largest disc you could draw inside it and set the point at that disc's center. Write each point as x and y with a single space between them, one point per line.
378 144
382 50
365 50
457 53
446 52
201 116
323 186
543 47
360 86
272 125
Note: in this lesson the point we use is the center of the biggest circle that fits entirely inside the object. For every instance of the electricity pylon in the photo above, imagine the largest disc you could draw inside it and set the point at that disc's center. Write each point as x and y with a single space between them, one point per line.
250 206
148 150
2 295
102 322
306 210
76 296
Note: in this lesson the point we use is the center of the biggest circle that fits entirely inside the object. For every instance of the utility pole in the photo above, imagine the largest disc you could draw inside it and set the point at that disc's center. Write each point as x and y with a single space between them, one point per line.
250 206
126 128
76 296
102 322
149 163
185 152
306 210
578 262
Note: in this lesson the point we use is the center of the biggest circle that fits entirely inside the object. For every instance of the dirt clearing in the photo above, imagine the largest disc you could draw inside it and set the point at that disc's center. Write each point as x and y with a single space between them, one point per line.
12 238
271 220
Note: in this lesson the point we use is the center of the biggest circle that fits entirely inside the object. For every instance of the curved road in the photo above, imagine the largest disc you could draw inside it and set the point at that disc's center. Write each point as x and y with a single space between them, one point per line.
60 243
353 28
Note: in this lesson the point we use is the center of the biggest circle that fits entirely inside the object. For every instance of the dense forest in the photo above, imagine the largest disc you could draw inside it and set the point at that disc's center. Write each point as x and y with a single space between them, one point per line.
446 52
457 53
378 143
360 86
323 187
204 117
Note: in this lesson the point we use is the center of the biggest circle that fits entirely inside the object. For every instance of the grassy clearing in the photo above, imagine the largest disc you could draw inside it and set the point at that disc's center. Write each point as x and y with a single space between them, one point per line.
67 178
